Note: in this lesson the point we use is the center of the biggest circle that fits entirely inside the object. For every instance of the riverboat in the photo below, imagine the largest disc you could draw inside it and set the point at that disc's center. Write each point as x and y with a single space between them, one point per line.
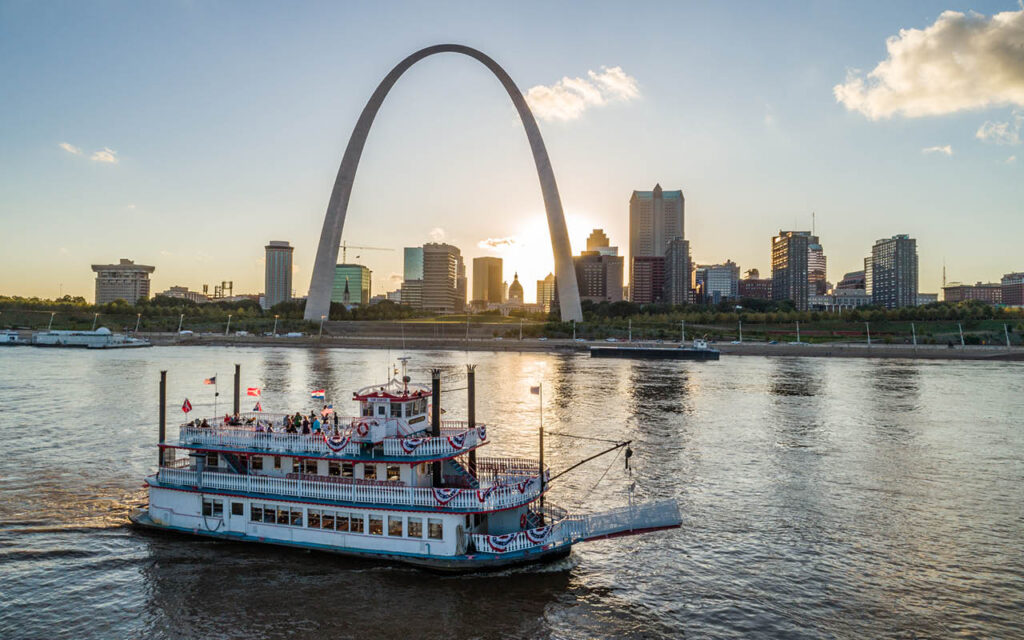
699 351
394 483
102 338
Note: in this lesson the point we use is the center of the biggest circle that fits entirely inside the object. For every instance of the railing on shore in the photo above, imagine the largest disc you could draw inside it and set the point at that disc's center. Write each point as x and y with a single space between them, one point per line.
484 499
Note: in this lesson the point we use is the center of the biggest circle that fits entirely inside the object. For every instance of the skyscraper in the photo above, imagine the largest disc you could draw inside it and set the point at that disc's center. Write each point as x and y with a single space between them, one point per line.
277 285
599 270
678 272
719 282
754 286
817 265
413 265
351 284
546 292
655 219
789 267
487 280
123 281
597 240
441 278
894 272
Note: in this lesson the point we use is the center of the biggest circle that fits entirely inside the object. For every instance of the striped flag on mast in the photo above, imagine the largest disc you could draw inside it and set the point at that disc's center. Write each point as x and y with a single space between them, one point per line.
318 394
186 406
212 380
253 391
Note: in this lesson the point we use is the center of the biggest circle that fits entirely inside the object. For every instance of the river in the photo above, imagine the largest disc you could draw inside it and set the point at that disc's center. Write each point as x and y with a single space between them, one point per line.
838 498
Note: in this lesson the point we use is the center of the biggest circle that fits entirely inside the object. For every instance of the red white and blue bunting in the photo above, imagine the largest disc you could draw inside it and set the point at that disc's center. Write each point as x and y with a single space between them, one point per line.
524 485
483 495
482 431
538 535
337 443
500 544
457 441
411 444
444 496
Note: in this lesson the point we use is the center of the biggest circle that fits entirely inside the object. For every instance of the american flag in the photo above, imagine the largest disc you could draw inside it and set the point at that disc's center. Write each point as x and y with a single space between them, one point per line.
212 380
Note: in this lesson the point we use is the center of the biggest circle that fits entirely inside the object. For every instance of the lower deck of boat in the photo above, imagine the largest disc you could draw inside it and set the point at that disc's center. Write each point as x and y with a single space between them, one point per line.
466 563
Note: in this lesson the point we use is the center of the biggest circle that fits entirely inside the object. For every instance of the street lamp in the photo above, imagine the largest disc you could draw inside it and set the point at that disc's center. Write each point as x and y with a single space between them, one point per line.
49 326
319 337
95 316
274 333
181 319
138 319
228 327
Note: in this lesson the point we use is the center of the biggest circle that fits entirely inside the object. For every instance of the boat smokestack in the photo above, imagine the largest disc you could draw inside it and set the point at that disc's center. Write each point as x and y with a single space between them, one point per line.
471 411
435 420
238 381
163 415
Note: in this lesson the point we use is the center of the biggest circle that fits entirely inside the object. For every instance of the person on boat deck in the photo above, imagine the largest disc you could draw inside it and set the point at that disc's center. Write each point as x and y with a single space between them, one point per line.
227 418
287 421
204 424
335 422
316 425
259 426
297 420
291 428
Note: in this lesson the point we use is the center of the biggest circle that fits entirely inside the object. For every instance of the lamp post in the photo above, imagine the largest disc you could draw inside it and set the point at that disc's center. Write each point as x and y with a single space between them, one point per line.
95 317
274 334
867 326
181 319
138 320
574 331
321 335
228 327
49 326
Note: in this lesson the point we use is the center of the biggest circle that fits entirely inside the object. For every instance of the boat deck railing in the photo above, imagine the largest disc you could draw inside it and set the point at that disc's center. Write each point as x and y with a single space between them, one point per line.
487 498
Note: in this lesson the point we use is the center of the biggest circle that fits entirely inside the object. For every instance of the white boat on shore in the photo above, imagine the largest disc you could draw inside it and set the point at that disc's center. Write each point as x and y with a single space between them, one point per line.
395 483
102 338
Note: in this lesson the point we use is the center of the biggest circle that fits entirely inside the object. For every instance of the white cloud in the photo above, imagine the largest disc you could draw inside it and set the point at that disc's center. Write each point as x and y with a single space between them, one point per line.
497 243
106 155
1011 160
436 234
568 98
963 61
945 150
1002 132
70 148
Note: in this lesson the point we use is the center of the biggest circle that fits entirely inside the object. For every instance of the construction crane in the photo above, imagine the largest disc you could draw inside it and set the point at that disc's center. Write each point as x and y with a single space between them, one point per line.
345 247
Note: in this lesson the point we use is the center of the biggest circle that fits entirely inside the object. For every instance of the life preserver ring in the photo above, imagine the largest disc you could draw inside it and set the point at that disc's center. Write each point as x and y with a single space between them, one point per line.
522 521
362 429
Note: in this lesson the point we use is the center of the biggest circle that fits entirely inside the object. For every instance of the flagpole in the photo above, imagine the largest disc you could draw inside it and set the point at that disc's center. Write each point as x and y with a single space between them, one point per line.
215 394
541 395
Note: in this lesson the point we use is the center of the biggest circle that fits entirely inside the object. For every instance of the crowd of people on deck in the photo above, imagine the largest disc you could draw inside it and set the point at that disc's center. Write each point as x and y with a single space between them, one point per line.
298 423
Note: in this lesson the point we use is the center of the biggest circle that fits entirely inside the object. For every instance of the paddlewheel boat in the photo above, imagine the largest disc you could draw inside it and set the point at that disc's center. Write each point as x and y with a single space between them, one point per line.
395 483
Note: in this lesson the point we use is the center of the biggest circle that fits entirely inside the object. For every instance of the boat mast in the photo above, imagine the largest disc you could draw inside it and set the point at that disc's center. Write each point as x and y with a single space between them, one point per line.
540 393
435 420
238 376
471 411
163 416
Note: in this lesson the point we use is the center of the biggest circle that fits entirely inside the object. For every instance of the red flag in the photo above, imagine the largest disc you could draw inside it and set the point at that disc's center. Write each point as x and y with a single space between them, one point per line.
252 391
186 406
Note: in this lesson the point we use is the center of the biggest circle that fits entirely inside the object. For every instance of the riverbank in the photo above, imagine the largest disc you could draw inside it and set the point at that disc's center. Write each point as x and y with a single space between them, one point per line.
831 350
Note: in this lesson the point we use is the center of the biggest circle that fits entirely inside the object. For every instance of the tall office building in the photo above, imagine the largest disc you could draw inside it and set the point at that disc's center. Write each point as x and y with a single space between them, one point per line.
441 267
487 281
852 280
718 282
990 292
1013 289
351 284
678 272
599 270
655 219
461 284
546 292
816 268
894 272
122 281
277 283
789 267
754 286
413 263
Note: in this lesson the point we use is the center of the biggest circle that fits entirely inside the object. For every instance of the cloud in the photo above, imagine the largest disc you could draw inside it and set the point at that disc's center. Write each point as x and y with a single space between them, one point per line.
1011 160
497 243
436 234
568 98
1002 132
106 155
70 148
396 277
945 150
962 62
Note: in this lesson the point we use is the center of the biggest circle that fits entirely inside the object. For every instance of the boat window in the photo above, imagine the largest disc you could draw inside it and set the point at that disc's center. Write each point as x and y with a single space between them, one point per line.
256 463
313 518
269 514
367 409
296 465
369 472
396 410
415 527
237 508
213 507
376 526
382 410
282 515
356 522
277 462
346 470
256 513
394 472
333 468
309 466
395 526
328 520
296 517
341 521
211 459
435 528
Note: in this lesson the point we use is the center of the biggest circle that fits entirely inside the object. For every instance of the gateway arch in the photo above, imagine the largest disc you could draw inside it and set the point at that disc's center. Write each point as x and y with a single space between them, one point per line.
319 301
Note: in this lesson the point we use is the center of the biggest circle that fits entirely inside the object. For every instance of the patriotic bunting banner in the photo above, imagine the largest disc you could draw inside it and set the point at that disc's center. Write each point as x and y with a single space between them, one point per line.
411 444
501 543
483 495
483 432
337 443
538 535
444 496
524 485
458 441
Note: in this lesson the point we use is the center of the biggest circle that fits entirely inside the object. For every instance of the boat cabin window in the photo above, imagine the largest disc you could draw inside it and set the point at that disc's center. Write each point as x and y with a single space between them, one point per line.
327 522
238 508
211 459
256 463
346 470
369 472
309 466
382 410
296 465
313 518
213 508
333 468
256 513
367 409
283 516
395 526
341 522
356 522
415 527
376 525
277 462
394 473
396 409
435 528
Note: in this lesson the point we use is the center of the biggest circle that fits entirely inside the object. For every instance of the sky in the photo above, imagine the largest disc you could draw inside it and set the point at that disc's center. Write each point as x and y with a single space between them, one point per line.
186 135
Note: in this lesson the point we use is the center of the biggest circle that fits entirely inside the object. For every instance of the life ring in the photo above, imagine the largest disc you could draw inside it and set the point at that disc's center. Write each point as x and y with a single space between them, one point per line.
362 429
522 521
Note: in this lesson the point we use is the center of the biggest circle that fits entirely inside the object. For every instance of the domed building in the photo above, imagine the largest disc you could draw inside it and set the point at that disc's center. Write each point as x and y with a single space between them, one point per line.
515 291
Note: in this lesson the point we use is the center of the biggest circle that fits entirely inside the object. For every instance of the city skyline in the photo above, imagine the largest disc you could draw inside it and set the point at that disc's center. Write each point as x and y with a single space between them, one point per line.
199 195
